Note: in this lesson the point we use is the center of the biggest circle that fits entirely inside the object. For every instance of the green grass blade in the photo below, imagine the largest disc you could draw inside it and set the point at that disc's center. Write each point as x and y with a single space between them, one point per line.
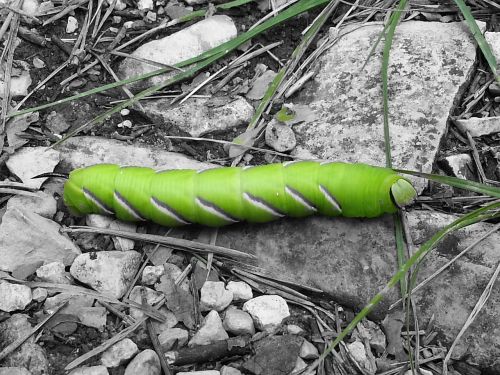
476 216
478 35
456 182
393 23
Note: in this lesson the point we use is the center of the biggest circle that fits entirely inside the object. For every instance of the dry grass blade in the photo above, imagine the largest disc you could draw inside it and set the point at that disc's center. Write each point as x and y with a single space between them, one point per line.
477 309
14 345
177 243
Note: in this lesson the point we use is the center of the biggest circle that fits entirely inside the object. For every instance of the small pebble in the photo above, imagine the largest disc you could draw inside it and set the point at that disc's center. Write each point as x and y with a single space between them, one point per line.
14 296
116 20
173 336
294 329
119 353
238 322
125 112
241 290
299 365
227 370
72 25
151 274
146 362
54 273
94 317
267 311
215 296
280 136
211 331
145 4
39 294
38 63
206 372
151 16
92 370
308 351
125 124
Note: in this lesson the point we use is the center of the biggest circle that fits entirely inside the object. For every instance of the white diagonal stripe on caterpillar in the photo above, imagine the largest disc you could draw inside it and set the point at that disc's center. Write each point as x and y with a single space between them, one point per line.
167 210
299 198
263 205
127 206
91 197
330 198
215 210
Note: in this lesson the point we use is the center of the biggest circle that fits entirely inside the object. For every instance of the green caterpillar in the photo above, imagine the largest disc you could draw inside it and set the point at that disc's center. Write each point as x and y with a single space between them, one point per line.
222 196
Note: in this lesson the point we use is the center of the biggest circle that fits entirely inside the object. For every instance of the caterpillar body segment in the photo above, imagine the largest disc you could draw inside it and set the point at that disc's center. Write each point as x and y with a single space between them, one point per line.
226 195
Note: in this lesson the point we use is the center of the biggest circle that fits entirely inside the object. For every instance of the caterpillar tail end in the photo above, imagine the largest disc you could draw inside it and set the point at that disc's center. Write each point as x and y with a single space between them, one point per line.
403 193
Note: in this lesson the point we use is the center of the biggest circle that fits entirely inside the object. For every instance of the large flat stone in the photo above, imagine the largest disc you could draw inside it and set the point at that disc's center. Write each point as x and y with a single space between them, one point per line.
430 63
353 259
182 45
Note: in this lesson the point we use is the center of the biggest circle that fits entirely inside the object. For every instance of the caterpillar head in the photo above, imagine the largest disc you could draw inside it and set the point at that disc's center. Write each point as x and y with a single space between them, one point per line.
403 193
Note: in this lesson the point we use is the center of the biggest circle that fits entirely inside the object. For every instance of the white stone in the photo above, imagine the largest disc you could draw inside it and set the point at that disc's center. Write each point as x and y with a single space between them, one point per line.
211 331
31 161
299 365
54 273
30 7
72 25
38 63
267 311
358 352
94 317
38 241
280 136
123 244
119 353
74 303
182 45
173 336
14 296
460 165
43 204
493 39
199 116
227 370
20 80
98 221
345 100
206 372
91 370
308 351
241 290
146 362
108 272
39 294
479 126
238 322
215 296
145 4
294 329
151 274
80 152
152 297
171 321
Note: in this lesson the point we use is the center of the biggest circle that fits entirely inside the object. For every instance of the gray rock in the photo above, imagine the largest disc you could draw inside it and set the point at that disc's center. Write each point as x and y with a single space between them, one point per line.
460 166
479 126
241 290
428 60
74 303
211 331
260 85
274 355
91 370
152 297
171 321
14 371
308 351
20 80
280 136
43 204
78 152
18 125
56 123
358 351
206 372
373 333
182 45
119 353
108 272
238 322
14 296
29 355
39 294
151 274
31 161
299 366
146 362
349 259
54 272
493 39
39 240
294 329
198 116
94 317
98 221
173 336
215 296
123 244
267 311
227 370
